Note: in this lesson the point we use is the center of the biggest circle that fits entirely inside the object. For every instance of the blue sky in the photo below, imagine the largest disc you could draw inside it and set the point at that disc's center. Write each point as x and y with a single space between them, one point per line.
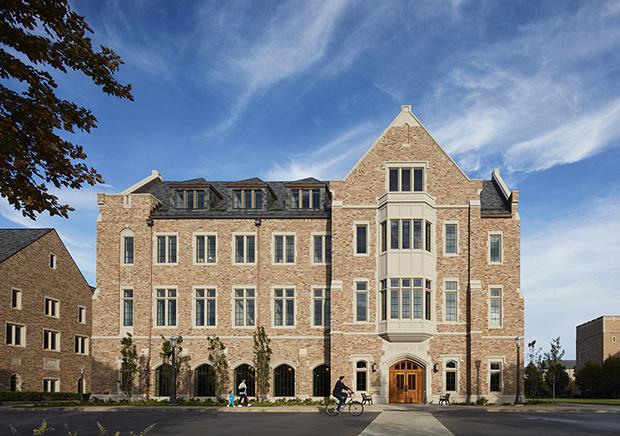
280 90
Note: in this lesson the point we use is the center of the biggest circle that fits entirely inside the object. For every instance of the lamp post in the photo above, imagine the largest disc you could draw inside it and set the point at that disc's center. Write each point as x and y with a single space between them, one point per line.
173 392
82 383
518 399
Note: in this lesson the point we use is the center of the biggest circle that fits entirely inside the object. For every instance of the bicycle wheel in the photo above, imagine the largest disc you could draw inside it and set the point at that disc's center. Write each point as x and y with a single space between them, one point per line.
330 407
356 408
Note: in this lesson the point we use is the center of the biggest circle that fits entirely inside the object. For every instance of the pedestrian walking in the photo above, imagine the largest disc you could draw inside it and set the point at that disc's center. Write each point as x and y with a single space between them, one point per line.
243 394
231 399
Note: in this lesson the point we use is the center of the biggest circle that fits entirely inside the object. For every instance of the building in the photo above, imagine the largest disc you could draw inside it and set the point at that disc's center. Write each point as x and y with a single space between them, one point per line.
598 340
404 276
46 314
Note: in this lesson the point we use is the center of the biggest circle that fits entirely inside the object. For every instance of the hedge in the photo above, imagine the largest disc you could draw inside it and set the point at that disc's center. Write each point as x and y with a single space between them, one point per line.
41 396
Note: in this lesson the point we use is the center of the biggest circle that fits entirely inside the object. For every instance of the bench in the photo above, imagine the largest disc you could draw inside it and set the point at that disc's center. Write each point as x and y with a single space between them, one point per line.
444 399
366 399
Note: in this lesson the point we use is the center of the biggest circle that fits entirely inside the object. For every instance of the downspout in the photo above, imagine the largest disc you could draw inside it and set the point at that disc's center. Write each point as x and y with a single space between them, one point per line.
149 223
468 311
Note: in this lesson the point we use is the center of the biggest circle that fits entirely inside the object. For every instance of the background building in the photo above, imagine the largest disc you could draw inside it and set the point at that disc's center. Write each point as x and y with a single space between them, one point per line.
598 340
46 314
404 276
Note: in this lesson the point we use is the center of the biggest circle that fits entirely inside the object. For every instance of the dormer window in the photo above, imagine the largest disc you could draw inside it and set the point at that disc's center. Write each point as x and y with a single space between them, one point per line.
190 199
406 179
248 198
306 198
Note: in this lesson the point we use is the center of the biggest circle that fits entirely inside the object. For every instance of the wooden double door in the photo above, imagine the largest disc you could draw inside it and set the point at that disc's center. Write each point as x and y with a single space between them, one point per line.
406 382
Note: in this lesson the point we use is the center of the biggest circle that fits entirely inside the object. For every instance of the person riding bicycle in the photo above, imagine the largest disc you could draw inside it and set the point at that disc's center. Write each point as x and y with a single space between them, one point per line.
340 391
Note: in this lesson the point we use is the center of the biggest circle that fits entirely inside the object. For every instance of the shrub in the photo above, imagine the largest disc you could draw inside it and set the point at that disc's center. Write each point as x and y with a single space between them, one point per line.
481 401
41 396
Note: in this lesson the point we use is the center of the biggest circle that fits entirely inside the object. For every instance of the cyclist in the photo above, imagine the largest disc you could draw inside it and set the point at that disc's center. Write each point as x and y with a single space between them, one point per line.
340 391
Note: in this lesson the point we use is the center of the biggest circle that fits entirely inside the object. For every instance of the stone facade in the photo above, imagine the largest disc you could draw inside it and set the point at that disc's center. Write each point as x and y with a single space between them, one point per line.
598 340
29 272
361 350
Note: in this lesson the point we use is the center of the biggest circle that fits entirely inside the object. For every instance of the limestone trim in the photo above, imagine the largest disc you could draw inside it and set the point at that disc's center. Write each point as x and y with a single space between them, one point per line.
194 245
445 303
245 310
23 336
445 359
446 223
502 361
354 359
273 338
501 306
284 234
193 310
284 310
125 329
154 175
154 307
233 247
355 291
501 247
126 233
355 225
324 250
166 249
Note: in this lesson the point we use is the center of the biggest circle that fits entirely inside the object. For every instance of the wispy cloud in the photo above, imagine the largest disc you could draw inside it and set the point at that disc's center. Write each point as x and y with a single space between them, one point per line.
534 100
329 160
569 267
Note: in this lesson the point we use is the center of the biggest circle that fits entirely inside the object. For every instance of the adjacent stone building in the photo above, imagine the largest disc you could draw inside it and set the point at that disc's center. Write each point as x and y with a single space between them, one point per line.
598 340
46 314
404 276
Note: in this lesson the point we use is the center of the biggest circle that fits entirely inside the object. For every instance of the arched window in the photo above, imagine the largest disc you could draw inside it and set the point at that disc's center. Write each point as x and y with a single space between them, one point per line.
204 381
284 381
321 381
15 383
245 372
451 376
361 376
127 247
162 380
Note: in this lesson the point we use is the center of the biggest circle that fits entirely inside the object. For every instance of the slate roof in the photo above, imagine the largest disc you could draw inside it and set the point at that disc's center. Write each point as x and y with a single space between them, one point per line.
13 241
492 199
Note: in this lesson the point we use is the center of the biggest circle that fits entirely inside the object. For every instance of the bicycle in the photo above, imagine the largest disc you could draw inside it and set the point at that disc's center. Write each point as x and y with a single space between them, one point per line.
354 407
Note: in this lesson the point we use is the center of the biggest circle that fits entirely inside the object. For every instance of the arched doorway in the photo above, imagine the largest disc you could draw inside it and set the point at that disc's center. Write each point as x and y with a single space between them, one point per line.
245 372
406 382
320 381
162 380
204 381
15 383
284 381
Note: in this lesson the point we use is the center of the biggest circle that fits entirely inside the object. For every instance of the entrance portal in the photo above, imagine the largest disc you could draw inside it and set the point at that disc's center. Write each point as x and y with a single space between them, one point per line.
406 382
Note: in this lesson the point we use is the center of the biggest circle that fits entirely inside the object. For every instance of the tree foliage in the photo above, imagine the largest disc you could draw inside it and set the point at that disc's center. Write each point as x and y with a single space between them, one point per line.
597 381
554 368
217 359
129 365
166 357
262 360
40 38
533 372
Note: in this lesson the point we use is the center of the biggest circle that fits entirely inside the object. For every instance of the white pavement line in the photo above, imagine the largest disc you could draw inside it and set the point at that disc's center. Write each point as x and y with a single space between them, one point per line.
406 423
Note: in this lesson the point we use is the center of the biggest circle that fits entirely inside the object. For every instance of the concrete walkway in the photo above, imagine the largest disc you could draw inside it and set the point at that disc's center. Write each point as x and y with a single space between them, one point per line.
396 423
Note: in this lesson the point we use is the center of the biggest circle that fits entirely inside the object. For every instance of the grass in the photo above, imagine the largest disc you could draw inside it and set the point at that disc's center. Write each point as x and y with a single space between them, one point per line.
599 401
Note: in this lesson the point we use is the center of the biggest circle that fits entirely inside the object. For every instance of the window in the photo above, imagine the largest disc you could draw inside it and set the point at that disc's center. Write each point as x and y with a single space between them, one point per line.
52 307
205 301
245 372
361 376
306 198
383 297
166 249
361 239
245 249
417 234
15 383
406 234
322 249
399 179
394 234
400 235
127 307
128 250
204 381
450 293
451 373
495 248
495 307
248 198
284 381
166 306
321 383
80 345
451 239
52 261
408 299
16 299
190 199
284 249
428 236
205 249
15 334
51 385
361 301
81 314
283 307
383 237
51 340
320 307
495 382
244 307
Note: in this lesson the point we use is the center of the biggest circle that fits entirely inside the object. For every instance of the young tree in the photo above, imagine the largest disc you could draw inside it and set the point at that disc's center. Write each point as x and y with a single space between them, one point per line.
262 359
166 357
129 365
533 376
40 39
553 366
217 359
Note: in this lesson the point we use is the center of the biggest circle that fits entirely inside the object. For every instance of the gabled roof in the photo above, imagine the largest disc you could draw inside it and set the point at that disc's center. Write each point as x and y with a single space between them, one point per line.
13 241
249 182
